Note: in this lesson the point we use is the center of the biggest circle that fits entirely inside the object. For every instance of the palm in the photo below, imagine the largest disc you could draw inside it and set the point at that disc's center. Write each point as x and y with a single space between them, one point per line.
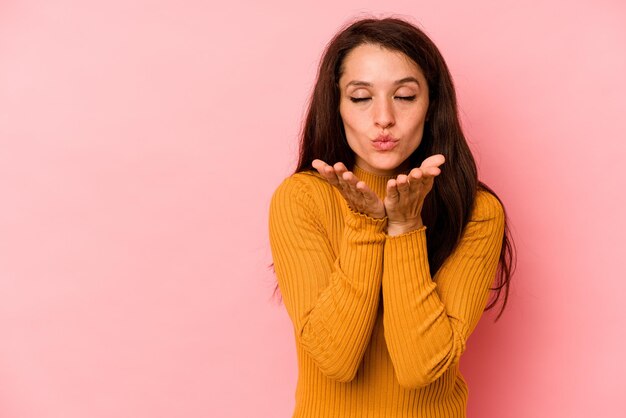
358 195
405 194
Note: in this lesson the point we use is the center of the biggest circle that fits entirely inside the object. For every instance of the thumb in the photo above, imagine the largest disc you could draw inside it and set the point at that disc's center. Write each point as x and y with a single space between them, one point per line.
433 161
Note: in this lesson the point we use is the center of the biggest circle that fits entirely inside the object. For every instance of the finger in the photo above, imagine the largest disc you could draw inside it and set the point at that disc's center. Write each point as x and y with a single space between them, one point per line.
323 168
328 172
350 182
392 190
340 169
432 171
433 161
331 176
354 182
416 177
416 173
402 182
349 178
358 194
358 190
317 164
367 193
429 177
429 173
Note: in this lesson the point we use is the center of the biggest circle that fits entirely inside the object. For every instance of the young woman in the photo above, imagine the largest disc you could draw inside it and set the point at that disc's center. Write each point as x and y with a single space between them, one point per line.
386 246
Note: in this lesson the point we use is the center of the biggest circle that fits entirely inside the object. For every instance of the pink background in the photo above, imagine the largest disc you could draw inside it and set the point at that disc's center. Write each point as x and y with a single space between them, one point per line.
141 142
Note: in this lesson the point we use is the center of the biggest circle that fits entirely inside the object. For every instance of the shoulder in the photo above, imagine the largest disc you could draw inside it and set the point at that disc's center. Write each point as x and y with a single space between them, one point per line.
486 224
300 203
303 185
487 207
300 182
305 190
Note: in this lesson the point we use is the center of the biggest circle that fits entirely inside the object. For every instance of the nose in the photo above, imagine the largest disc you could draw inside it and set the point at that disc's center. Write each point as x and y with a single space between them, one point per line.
383 113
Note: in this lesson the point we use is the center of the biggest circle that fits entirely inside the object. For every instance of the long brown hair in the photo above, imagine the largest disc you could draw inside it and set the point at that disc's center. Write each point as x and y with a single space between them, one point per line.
447 207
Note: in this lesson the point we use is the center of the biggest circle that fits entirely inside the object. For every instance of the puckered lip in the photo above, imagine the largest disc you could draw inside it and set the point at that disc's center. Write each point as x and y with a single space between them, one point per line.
385 138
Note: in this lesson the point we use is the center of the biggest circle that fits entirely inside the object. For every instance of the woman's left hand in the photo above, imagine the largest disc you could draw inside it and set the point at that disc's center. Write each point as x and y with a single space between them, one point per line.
406 194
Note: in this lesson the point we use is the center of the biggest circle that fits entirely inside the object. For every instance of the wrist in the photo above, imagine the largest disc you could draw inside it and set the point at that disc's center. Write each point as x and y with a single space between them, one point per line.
380 214
399 228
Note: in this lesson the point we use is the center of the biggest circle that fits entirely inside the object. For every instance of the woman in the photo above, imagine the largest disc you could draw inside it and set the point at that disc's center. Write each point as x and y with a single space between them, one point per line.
385 244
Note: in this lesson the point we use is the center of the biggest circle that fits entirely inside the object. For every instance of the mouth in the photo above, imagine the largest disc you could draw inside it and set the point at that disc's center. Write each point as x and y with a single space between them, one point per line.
385 138
385 145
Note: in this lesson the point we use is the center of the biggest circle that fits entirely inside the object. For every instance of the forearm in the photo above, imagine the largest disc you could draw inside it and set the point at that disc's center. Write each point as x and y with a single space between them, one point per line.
420 337
330 294
338 328
428 320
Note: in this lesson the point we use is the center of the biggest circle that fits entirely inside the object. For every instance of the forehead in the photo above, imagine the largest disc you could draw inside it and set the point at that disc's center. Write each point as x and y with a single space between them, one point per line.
373 63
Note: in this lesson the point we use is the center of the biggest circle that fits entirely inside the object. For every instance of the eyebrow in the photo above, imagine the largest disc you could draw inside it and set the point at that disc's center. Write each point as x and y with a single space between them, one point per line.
401 81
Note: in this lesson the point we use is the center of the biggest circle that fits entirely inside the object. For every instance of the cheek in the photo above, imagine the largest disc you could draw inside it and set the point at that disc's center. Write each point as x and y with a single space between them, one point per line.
355 121
416 118
353 118
348 126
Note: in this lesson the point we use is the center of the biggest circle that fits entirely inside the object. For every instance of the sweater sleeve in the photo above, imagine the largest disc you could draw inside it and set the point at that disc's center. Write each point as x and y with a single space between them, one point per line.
427 322
332 299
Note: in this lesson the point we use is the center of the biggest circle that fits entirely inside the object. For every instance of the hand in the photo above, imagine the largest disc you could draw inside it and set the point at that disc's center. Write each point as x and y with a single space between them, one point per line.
406 194
359 196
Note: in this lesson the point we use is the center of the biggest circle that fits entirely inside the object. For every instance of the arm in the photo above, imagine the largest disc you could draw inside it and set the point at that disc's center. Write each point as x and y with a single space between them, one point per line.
331 299
427 323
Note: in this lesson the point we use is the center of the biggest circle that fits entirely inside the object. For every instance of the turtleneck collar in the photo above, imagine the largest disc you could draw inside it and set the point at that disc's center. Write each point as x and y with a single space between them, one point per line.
376 182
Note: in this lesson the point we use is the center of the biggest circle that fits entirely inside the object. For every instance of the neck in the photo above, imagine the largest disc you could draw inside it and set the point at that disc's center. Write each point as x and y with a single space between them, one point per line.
377 182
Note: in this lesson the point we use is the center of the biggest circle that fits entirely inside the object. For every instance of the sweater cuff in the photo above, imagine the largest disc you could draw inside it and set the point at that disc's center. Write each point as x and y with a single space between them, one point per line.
361 221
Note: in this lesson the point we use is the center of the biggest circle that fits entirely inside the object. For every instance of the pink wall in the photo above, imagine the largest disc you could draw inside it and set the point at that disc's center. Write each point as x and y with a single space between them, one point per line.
141 142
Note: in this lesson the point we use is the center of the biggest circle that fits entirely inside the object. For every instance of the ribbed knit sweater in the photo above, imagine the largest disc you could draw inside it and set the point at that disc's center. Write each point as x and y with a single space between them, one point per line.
376 335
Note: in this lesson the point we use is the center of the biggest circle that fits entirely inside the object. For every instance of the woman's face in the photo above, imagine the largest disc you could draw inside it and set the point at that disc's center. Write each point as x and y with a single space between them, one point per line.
383 93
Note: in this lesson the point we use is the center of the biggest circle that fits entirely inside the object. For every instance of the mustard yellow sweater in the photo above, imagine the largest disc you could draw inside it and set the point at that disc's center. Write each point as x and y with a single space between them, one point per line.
376 335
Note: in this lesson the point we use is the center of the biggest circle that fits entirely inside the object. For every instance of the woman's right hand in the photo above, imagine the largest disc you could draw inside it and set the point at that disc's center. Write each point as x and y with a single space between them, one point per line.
359 196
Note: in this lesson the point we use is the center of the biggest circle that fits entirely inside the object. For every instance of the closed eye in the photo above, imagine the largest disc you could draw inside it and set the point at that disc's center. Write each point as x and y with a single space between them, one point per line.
362 99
